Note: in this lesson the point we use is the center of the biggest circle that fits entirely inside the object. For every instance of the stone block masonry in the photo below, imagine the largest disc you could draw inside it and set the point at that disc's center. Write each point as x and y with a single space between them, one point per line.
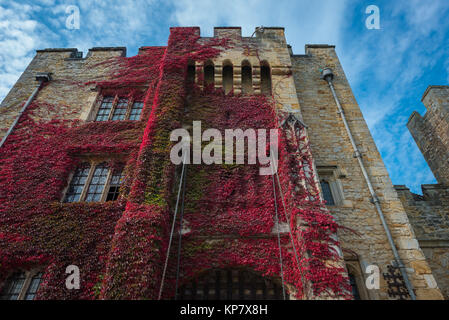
296 87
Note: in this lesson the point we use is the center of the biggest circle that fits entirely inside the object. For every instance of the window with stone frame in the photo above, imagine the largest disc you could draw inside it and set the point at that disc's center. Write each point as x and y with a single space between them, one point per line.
228 76
327 193
209 73
354 287
247 78
21 285
117 108
331 186
94 182
356 277
104 111
265 78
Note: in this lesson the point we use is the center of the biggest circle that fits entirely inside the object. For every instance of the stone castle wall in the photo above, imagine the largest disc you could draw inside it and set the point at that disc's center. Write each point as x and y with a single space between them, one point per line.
429 216
66 87
303 92
333 153
429 213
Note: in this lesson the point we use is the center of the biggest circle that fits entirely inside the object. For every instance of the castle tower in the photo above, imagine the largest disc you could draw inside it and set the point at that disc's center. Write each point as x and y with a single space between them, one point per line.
429 212
431 132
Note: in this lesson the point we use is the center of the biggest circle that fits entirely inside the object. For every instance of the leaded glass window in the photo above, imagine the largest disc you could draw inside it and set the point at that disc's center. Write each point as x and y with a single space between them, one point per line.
97 183
77 184
13 286
114 185
327 193
94 183
136 110
117 108
21 285
34 285
120 109
105 109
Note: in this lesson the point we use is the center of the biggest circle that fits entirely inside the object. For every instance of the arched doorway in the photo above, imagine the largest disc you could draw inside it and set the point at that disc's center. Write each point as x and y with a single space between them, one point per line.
231 284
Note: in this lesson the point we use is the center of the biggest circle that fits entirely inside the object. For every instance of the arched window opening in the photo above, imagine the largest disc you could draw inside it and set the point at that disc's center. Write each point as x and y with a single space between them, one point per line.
355 289
209 74
356 280
247 80
231 284
228 78
265 79
191 73
327 193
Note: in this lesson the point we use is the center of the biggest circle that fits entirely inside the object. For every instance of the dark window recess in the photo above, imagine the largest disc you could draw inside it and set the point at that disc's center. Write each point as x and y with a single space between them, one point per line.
34 285
114 185
191 74
136 110
355 290
105 109
327 193
76 55
265 80
120 110
231 284
77 184
209 75
13 286
247 82
228 78
97 183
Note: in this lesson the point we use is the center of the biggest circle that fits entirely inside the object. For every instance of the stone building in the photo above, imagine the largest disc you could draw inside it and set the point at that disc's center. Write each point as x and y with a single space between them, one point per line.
429 213
110 222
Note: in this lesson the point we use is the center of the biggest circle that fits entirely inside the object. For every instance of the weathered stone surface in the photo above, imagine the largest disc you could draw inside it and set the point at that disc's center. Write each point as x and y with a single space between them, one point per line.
331 147
429 216
296 86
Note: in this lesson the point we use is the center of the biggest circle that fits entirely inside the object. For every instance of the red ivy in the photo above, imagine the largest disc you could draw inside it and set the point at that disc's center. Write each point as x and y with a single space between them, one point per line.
120 246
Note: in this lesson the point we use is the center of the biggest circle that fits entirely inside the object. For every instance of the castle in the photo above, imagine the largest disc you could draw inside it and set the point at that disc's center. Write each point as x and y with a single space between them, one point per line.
91 207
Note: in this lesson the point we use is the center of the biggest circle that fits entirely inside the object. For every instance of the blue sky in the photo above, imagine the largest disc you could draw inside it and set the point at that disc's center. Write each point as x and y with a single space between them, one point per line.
388 69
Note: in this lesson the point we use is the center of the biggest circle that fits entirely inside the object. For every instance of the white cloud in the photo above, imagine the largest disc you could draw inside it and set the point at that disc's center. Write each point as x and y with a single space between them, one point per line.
387 69
383 66
17 39
27 27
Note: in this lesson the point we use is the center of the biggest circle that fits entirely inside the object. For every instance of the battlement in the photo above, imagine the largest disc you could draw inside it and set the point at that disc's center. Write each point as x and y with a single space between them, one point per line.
435 91
73 53
273 33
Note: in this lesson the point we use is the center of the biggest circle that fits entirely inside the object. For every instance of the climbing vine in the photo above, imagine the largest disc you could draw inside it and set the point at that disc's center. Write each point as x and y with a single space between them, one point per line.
120 246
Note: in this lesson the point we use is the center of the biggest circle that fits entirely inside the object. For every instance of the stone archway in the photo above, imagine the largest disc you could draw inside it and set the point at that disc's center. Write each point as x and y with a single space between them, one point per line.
231 284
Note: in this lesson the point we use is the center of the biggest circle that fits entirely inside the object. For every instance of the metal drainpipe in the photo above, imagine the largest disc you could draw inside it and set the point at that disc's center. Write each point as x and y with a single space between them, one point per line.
41 77
328 75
